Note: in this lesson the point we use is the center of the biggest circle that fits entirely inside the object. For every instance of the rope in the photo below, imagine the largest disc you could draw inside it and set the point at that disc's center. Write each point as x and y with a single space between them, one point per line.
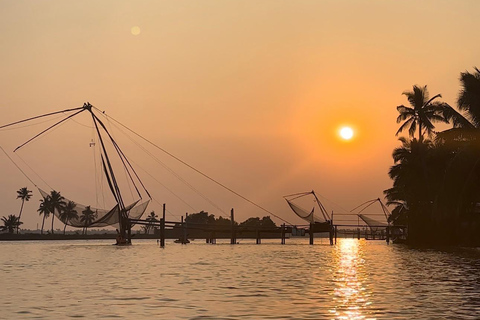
34 171
26 176
41 116
196 170
51 127
176 175
31 125
155 179
126 173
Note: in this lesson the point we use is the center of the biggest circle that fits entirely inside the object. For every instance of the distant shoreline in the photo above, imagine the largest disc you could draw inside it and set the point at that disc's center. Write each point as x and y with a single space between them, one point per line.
112 236
97 236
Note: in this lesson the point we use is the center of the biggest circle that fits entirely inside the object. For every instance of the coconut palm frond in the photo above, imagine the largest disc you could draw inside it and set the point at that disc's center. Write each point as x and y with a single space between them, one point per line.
405 125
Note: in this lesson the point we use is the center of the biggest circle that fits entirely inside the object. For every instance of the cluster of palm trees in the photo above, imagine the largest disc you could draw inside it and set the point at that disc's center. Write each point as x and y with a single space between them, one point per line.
436 175
66 211
12 222
54 202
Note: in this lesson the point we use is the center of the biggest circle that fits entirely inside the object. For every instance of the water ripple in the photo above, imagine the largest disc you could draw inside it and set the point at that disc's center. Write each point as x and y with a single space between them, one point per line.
352 280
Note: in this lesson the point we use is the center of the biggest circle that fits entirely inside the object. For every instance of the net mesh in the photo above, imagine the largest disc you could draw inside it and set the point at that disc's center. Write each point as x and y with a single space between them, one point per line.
372 223
304 214
81 216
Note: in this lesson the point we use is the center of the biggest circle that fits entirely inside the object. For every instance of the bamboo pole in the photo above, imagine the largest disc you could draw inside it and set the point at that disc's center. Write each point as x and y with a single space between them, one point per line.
311 233
233 239
162 228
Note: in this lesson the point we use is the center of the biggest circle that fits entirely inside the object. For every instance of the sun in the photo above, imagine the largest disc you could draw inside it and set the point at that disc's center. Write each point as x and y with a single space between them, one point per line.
346 133
135 30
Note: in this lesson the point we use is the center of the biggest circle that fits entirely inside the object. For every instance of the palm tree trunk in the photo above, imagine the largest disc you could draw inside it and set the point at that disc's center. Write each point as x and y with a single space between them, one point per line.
20 214
419 130
64 229
53 218
43 222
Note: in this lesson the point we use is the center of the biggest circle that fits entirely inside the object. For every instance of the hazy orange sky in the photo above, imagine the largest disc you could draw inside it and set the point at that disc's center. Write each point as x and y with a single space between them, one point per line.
250 92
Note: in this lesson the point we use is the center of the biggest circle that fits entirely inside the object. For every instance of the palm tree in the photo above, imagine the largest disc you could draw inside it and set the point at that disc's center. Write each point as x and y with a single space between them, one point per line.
11 223
469 98
57 201
151 218
436 186
422 113
44 210
415 182
87 217
461 188
68 213
467 120
25 195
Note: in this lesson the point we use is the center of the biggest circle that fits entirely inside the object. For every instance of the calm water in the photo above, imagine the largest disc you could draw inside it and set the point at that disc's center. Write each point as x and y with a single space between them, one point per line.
352 280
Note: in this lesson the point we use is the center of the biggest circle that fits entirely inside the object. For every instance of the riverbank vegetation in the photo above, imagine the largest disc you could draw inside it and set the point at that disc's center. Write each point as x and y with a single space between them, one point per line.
203 217
436 174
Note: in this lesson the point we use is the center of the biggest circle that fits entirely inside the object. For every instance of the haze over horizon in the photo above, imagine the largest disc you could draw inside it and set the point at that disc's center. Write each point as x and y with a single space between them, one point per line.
251 93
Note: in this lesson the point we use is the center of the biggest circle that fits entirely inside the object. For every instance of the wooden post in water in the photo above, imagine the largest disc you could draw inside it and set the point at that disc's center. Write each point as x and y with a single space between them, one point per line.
162 233
129 231
358 233
213 240
183 237
208 237
336 234
257 233
283 234
185 230
388 234
233 239
311 233
162 229
331 234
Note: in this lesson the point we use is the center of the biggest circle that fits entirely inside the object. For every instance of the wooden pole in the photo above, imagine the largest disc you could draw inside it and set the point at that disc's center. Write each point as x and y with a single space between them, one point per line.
129 231
257 232
162 228
283 234
388 234
162 233
331 234
233 239
311 233
184 233
336 234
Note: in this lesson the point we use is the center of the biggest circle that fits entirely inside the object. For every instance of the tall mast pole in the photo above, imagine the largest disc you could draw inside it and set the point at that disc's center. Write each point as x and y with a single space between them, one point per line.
122 214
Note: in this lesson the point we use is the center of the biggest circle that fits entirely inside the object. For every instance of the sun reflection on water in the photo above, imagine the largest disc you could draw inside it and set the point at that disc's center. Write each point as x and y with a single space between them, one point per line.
350 295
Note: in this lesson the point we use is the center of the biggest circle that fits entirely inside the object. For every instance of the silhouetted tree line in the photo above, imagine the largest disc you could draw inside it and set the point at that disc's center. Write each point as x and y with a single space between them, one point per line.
67 211
436 175
203 217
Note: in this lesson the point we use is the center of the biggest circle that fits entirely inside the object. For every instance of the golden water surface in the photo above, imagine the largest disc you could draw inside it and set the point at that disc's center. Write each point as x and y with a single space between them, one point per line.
355 279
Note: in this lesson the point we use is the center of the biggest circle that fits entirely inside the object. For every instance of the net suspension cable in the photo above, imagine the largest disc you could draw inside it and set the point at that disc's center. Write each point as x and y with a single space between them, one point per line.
196 170
97 121
175 174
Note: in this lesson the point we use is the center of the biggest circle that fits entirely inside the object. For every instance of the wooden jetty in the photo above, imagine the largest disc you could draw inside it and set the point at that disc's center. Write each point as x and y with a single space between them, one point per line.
182 231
